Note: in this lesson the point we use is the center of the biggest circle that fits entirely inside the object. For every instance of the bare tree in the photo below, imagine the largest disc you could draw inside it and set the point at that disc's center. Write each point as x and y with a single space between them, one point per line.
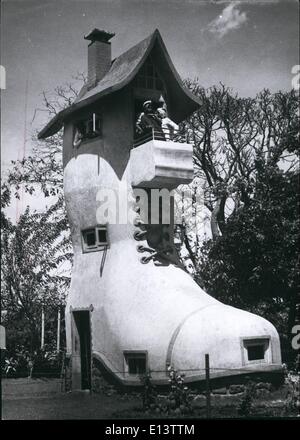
233 138
43 167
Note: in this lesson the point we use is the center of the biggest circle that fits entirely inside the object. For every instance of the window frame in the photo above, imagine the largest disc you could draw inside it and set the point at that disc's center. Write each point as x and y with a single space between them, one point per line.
264 341
144 76
98 244
127 354
93 116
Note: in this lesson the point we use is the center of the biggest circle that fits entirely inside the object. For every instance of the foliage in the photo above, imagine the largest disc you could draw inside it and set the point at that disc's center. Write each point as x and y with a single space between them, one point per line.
254 263
46 362
177 400
149 392
245 407
9 366
43 168
34 257
292 381
36 253
42 362
246 153
234 140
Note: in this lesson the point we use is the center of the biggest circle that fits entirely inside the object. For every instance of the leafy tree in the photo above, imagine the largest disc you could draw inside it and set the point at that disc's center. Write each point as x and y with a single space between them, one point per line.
255 263
246 153
34 253
231 135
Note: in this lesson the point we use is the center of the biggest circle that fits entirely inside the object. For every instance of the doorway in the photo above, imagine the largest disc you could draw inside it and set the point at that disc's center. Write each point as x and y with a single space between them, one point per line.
81 350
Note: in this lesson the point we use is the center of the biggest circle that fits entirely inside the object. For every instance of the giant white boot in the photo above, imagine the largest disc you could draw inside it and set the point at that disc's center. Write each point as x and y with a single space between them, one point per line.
144 311
130 304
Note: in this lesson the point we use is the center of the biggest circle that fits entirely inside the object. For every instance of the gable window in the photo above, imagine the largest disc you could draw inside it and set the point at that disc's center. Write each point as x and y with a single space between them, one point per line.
94 239
148 77
87 128
135 362
256 350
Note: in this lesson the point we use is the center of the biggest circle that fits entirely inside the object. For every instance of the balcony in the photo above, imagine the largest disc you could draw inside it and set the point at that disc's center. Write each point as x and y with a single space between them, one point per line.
159 160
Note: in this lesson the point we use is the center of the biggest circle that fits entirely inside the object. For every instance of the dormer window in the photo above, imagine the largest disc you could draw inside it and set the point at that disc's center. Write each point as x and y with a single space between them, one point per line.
148 77
87 128
94 239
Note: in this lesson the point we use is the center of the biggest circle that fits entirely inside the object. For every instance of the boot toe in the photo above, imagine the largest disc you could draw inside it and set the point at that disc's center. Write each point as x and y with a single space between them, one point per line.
234 340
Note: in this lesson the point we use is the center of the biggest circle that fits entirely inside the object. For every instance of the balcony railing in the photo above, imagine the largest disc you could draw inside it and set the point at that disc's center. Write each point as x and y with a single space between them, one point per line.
157 163
165 135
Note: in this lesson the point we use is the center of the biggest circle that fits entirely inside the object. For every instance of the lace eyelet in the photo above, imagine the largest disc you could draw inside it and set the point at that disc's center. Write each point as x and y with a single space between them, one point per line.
139 235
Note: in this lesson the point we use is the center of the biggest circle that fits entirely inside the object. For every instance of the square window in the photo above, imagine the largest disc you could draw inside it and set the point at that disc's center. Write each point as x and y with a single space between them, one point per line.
257 351
135 363
94 239
87 128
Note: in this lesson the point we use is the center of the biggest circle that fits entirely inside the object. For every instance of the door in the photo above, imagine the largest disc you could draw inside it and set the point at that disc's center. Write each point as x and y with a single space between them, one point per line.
81 350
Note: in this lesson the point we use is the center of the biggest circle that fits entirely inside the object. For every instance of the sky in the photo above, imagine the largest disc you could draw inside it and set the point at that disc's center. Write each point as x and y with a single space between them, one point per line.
248 45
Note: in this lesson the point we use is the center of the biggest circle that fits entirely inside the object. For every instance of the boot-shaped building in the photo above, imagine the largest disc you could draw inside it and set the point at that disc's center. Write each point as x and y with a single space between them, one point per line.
131 305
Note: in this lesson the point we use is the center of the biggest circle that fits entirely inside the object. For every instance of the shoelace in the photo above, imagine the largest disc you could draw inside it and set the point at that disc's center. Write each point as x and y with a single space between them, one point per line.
140 235
153 253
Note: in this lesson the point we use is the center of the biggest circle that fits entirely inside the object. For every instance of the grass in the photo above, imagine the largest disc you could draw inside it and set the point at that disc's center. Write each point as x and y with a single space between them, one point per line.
72 406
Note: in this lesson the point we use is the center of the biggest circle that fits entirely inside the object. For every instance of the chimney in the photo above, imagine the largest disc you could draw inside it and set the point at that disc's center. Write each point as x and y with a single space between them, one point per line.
99 55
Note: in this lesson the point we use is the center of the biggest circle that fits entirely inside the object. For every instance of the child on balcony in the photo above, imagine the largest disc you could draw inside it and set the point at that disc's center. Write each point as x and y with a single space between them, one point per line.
168 126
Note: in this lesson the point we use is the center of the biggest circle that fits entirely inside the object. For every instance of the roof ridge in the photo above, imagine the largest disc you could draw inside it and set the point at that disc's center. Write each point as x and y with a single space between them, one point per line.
150 36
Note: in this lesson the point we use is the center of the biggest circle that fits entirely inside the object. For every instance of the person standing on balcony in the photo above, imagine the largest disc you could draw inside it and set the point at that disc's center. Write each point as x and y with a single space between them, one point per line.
148 120
168 126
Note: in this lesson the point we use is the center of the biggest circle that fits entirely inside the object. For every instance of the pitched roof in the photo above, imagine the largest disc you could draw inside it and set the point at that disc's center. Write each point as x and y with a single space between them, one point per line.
122 71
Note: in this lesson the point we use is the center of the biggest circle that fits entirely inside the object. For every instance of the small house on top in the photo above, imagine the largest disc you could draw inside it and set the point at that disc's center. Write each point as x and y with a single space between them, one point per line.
113 97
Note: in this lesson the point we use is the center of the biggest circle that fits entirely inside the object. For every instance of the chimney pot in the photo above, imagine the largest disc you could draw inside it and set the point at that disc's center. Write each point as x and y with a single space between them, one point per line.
99 55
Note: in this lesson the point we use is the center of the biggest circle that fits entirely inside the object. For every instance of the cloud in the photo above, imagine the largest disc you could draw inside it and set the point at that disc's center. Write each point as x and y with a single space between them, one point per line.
230 18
